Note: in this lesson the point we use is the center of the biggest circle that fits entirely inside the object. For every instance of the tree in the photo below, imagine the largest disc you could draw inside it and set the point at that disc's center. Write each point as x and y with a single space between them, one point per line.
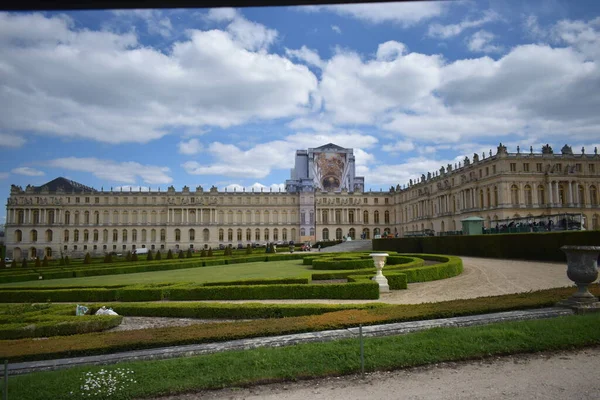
24 263
181 254
158 256
169 255
38 263
203 253
149 257
61 261
128 256
45 262
210 252
87 259
189 253
2 263
134 257
248 249
67 261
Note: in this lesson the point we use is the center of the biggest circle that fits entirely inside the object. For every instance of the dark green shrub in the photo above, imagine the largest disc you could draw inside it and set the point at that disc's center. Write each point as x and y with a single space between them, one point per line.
203 253
87 259
169 255
108 258
2 263
189 253
128 256
38 263
210 252
158 255
134 257
13 264
61 261
45 262
248 249
149 256
24 263
67 260
181 254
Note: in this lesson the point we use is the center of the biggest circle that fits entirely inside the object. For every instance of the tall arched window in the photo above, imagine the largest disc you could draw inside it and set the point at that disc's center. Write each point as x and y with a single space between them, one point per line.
221 235
581 194
514 195
96 218
376 217
177 235
325 234
293 234
19 236
36 217
267 234
541 195
76 235
248 234
134 235
105 235
351 216
67 218
528 197
230 235
284 235
481 203
192 235
96 235
386 217
86 218
338 234
302 232
86 235
352 233
593 196
239 235
365 217
124 236
206 234
495 197
48 235
66 235
153 235
257 234
115 235
325 215
163 235
367 233
51 216
143 235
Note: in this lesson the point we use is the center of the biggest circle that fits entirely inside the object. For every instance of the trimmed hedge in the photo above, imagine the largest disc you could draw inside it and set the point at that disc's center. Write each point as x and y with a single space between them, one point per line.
229 311
330 263
522 246
266 281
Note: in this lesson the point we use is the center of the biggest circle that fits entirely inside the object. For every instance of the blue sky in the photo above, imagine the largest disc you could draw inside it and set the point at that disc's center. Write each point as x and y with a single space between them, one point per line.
152 98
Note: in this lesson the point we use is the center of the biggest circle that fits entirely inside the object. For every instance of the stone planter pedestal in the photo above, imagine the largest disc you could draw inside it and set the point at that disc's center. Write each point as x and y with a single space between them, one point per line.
582 268
379 260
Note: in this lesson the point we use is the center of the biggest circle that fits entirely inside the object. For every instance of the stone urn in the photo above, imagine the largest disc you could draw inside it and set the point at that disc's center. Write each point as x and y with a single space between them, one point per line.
379 260
582 268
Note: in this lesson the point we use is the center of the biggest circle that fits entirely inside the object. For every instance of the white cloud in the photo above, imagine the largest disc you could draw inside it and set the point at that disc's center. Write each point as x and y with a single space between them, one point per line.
400 145
156 22
317 123
109 170
191 147
447 31
259 161
404 13
222 14
480 42
28 171
4 175
7 140
336 29
107 87
309 56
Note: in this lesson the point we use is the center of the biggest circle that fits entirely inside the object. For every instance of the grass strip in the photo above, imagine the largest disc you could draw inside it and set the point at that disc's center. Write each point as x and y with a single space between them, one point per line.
243 368
110 342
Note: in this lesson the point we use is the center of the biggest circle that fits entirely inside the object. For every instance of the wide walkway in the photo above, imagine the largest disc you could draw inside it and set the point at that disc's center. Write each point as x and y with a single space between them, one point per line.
481 277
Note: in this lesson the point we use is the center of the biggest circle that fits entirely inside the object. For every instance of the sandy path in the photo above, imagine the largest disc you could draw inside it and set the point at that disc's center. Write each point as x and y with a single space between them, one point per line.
558 375
481 277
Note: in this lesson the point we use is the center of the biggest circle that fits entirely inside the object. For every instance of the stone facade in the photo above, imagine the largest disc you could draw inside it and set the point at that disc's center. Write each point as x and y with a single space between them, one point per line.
66 217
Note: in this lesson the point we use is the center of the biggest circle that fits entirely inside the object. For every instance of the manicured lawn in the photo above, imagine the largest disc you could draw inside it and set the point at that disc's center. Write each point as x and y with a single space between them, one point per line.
270 269
219 370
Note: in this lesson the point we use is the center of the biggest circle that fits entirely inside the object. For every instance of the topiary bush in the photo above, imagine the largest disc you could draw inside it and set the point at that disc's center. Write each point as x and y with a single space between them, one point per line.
158 255
134 257
38 263
45 262
203 253
248 249
210 252
181 254
24 263
128 256
189 253
87 259
169 255
149 256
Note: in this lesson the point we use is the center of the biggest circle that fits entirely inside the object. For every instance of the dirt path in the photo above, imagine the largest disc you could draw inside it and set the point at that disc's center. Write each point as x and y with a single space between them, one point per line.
558 375
481 277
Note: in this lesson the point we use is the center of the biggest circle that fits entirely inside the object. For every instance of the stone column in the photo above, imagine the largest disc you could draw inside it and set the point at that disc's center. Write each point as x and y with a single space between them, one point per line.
575 193
550 196
557 193
570 200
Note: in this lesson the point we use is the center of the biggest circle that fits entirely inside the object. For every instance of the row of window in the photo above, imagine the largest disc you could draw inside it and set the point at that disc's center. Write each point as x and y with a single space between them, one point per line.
539 167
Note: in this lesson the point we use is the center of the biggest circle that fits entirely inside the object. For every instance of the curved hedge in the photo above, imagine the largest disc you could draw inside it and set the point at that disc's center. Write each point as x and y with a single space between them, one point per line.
341 264
45 320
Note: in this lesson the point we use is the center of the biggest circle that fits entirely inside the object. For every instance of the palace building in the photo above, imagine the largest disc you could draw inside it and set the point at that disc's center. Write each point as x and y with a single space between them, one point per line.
323 200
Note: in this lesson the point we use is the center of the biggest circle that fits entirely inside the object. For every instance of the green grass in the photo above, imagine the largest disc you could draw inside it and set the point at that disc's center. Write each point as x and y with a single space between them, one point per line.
214 371
270 269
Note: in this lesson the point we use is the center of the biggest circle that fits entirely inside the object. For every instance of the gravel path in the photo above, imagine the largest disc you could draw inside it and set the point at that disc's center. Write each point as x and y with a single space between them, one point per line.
481 277
557 375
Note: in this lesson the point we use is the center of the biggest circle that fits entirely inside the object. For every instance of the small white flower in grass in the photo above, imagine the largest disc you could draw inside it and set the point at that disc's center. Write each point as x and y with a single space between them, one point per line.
105 383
